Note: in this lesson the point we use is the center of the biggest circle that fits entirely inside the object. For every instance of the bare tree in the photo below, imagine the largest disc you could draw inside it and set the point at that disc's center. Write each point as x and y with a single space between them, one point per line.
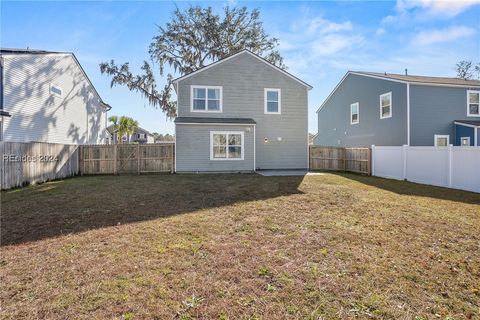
467 70
192 39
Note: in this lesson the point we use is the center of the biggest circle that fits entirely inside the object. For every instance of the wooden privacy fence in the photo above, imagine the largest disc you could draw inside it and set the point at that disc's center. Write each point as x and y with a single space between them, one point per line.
340 159
24 163
127 158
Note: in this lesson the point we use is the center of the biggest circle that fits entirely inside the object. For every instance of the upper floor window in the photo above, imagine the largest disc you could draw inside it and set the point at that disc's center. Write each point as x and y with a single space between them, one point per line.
56 90
473 98
354 113
206 99
386 105
273 101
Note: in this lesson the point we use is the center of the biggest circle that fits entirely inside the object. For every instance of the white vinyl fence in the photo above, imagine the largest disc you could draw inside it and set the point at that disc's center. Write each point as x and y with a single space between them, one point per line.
452 167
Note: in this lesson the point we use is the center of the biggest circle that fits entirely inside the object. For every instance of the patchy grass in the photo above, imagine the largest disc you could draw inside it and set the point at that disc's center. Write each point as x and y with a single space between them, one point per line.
239 247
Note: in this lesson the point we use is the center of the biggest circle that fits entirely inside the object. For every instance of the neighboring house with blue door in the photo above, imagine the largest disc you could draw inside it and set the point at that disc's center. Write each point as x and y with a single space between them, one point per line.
368 108
241 113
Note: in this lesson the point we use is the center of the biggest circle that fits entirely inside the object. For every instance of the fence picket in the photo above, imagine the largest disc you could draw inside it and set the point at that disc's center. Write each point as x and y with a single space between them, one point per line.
340 159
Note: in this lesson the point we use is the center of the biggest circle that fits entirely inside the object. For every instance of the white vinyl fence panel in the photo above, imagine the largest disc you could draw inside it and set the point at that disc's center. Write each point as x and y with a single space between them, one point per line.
452 167
465 173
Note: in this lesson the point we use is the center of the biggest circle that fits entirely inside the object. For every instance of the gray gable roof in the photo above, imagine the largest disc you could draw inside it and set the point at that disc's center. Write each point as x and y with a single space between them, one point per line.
422 79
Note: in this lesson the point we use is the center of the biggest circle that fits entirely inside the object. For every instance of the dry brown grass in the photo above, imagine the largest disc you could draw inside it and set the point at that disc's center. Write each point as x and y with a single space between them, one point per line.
239 247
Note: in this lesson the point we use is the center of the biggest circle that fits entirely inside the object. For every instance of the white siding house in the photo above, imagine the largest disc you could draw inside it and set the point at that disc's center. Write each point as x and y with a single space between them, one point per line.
47 97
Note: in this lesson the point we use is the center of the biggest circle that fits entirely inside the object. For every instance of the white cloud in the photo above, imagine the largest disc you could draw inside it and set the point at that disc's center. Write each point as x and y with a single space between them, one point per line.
380 31
319 37
447 8
333 43
442 35
230 3
323 26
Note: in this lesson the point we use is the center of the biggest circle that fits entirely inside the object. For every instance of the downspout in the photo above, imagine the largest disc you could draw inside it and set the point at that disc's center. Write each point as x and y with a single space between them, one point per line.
254 150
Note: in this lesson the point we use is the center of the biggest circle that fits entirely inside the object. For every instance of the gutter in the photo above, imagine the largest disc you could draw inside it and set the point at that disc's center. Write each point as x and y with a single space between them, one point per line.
106 106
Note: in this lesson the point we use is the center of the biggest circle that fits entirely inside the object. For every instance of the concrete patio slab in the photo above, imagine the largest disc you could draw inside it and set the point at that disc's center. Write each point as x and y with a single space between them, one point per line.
273 173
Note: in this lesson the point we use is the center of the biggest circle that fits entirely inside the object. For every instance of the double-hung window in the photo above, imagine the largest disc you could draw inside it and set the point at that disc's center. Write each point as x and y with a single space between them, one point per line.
354 113
386 105
273 101
473 107
226 145
206 99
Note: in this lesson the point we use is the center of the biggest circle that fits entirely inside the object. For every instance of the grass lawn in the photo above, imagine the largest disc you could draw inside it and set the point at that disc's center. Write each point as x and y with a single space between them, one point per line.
239 247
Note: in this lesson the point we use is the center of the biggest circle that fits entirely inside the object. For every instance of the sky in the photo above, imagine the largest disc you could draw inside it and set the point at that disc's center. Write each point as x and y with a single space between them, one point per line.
319 40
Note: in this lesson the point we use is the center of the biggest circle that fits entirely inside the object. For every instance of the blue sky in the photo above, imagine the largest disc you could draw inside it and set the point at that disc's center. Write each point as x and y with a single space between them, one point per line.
320 41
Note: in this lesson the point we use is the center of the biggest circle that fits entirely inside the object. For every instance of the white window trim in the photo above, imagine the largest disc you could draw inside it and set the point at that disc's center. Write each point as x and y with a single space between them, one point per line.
389 94
279 91
435 137
58 87
469 141
206 98
468 103
227 133
358 113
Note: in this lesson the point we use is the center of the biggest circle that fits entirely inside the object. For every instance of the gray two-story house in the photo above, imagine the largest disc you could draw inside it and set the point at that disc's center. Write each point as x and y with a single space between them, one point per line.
368 108
241 113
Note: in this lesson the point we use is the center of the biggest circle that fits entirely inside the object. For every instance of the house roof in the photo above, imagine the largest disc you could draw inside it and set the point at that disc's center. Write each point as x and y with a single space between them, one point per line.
244 51
35 51
410 79
110 130
201 120
422 79
475 123
30 51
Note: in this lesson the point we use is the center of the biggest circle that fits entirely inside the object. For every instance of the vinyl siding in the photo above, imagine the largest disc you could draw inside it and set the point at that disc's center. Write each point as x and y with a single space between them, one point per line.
433 110
37 115
334 128
193 149
244 79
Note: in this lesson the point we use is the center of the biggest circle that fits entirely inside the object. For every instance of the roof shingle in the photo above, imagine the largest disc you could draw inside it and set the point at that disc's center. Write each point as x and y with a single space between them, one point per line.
422 79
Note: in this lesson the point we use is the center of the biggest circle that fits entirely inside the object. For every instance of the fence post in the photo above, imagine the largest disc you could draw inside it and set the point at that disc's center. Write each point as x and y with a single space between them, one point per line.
80 160
405 162
138 158
172 153
373 159
369 161
449 177
115 159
